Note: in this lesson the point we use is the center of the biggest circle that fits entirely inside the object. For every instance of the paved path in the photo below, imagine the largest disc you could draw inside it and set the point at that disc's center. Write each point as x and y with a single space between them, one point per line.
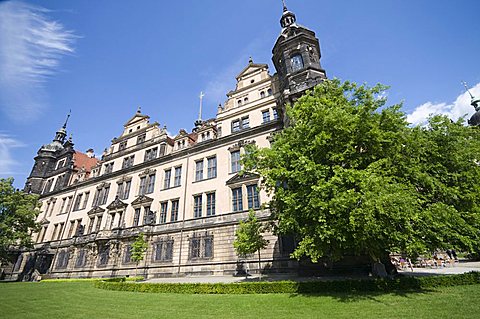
459 268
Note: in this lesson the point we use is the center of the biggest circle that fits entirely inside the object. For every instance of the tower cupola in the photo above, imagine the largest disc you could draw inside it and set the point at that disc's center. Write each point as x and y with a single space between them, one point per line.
288 17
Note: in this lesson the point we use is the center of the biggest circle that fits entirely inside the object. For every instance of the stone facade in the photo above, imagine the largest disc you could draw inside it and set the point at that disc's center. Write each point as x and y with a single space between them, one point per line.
183 192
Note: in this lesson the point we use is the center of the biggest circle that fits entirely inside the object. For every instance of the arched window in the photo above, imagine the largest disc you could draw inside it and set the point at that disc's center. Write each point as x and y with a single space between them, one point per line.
262 94
296 62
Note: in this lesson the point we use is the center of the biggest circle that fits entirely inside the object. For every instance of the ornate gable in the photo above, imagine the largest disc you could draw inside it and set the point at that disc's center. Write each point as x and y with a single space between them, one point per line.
116 204
142 200
96 210
242 178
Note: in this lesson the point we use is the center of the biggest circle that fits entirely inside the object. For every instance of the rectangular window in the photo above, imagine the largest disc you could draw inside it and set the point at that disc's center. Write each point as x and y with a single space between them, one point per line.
104 195
212 167
178 176
108 168
60 230
162 149
252 197
166 181
127 254
99 223
275 114
122 145
81 258
78 200
197 206
62 207
69 204
163 212
163 250
245 123
174 212
126 189
141 138
199 170
237 199
266 116
85 200
235 161
72 228
201 246
90 224
210 204
151 184
146 214
128 161
208 246
195 245
151 154
143 182
136 217
235 126
103 254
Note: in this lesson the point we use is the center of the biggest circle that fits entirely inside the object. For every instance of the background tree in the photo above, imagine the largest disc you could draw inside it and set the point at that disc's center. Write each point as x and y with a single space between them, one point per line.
249 238
139 247
349 175
17 219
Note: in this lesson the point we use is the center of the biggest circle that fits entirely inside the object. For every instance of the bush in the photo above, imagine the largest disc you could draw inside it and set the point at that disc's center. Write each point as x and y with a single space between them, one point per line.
291 287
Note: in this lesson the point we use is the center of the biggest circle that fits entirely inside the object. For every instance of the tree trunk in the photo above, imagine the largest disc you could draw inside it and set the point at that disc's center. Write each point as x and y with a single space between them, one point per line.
136 269
259 267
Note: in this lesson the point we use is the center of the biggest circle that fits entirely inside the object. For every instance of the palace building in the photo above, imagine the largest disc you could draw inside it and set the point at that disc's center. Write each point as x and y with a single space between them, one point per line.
183 192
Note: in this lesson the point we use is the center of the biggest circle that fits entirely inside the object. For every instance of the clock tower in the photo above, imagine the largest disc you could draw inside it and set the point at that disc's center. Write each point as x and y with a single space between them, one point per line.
296 56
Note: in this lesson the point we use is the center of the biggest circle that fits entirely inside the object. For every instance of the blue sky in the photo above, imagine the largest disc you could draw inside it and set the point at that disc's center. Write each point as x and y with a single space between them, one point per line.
102 61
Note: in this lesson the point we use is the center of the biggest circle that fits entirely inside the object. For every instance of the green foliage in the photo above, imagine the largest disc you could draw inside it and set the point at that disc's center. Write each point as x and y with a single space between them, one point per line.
17 218
349 175
291 287
249 238
139 247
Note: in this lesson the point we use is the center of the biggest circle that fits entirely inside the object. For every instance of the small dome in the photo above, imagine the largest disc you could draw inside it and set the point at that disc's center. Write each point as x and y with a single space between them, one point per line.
475 119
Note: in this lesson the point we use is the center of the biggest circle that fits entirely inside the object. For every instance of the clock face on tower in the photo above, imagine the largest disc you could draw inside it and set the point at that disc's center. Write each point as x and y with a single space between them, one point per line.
296 62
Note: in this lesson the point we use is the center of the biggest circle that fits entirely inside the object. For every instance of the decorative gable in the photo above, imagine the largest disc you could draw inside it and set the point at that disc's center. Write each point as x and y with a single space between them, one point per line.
242 178
142 200
96 210
116 204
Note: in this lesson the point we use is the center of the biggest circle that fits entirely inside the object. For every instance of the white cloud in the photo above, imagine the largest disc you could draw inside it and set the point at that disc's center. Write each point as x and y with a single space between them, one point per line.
31 46
460 107
7 163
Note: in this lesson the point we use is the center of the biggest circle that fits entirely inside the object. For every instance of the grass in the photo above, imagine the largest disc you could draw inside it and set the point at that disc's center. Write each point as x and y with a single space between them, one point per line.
82 300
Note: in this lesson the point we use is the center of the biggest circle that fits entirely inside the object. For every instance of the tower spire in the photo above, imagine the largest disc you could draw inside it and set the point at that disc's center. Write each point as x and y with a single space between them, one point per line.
66 120
201 102
284 6
466 89
288 17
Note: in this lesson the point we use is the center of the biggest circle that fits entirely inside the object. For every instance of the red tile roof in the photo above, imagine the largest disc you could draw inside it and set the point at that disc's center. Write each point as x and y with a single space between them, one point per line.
83 160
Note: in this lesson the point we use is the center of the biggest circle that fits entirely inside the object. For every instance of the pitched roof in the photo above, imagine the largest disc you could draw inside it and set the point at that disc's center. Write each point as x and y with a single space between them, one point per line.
83 160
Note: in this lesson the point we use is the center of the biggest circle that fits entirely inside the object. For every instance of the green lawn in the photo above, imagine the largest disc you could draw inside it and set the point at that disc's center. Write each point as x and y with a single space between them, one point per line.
80 300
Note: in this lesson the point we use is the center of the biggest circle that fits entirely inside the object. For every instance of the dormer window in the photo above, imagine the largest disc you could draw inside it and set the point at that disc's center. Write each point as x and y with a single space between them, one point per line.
122 146
141 138
297 62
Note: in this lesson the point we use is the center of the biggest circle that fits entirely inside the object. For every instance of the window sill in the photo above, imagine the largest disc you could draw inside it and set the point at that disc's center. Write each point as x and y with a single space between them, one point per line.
203 180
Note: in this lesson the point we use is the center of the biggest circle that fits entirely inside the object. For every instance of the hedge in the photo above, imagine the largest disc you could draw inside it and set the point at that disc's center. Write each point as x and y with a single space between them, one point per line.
314 287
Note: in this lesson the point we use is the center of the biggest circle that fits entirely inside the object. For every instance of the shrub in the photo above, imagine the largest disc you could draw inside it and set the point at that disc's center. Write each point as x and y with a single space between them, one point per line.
313 287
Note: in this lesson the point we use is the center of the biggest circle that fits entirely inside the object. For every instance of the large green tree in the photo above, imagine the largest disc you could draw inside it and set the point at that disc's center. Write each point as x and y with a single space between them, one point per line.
349 175
17 218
